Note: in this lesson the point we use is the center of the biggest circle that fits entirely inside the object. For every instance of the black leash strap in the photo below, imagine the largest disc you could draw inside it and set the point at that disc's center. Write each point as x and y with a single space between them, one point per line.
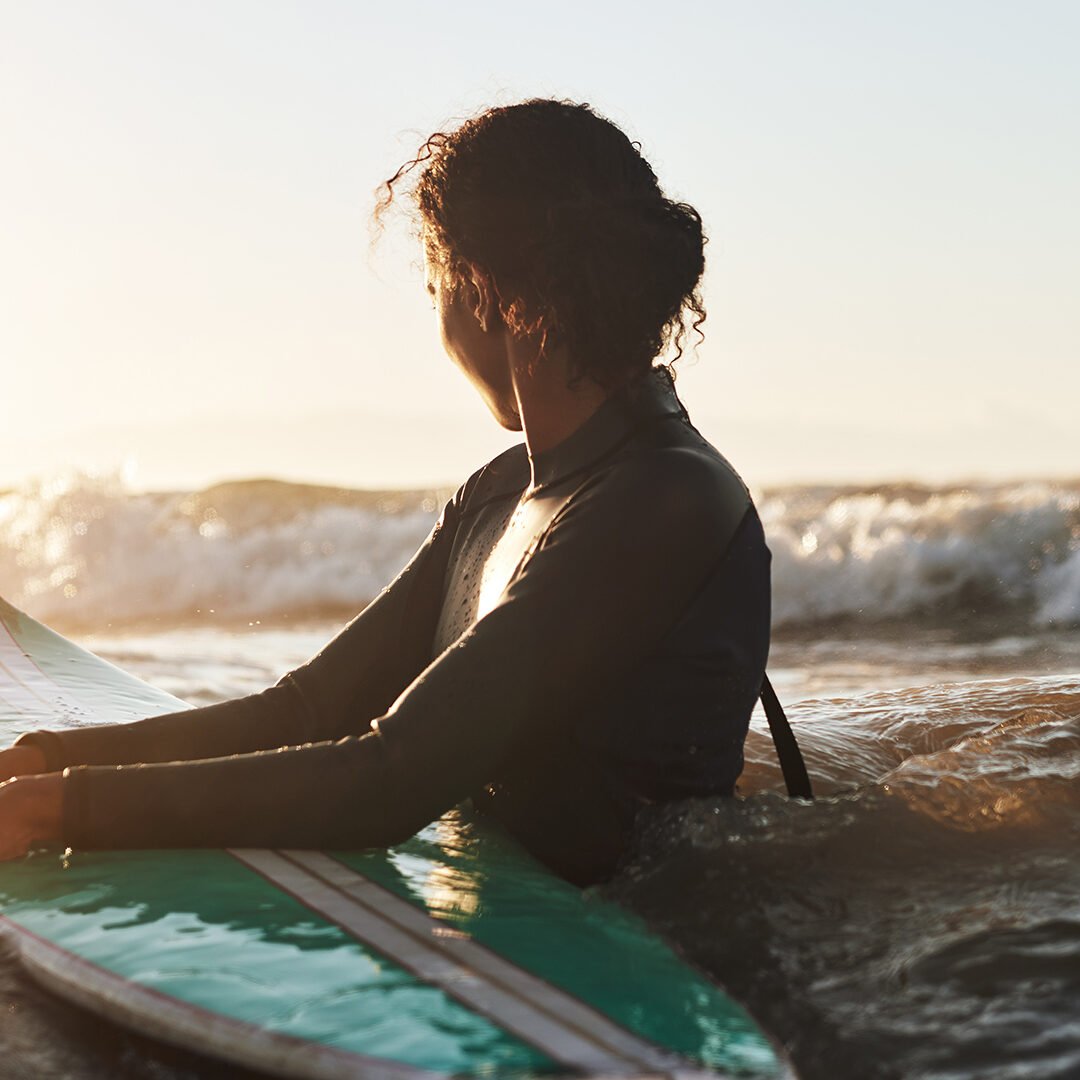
787 749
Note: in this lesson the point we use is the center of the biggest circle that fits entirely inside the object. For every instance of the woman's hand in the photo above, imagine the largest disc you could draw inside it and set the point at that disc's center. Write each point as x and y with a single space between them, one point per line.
21 761
31 814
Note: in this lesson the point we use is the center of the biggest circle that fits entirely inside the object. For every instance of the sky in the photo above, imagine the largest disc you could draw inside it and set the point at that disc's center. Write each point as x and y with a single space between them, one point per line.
188 292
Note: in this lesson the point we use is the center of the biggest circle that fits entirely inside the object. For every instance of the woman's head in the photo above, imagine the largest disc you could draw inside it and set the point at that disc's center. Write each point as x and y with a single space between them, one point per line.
560 209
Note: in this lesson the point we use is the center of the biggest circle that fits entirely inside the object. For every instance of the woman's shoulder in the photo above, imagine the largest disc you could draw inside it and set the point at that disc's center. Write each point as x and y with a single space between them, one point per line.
682 479
675 499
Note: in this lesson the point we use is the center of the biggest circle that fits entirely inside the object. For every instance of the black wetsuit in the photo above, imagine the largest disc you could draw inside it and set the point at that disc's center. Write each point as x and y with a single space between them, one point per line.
579 635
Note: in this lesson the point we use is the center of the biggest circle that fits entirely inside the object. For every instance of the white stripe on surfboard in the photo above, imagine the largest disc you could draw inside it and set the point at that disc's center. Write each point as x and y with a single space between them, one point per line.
563 1027
27 688
192 1027
568 1010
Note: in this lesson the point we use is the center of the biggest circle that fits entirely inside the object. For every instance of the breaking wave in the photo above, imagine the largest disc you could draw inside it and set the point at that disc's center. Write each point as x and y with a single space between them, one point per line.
83 550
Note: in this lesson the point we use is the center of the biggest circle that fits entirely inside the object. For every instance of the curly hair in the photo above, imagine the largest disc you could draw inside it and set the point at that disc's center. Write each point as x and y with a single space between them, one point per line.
559 207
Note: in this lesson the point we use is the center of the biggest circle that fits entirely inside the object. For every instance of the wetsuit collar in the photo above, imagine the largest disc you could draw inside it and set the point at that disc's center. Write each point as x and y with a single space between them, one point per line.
641 402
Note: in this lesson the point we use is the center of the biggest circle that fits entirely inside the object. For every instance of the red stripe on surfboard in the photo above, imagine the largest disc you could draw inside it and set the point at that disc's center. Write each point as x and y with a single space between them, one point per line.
44 674
18 645
11 637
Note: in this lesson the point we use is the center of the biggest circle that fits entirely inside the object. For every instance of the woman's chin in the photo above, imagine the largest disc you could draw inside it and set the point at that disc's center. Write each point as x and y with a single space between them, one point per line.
506 416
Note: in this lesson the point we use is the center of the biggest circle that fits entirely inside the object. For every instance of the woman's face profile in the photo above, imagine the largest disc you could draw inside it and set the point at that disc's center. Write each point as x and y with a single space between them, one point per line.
479 353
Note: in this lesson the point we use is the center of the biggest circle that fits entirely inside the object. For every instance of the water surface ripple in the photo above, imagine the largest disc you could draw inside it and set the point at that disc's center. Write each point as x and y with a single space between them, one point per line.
922 919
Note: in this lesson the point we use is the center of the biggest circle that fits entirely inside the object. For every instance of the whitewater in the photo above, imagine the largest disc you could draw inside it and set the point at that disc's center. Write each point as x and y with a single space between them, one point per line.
83 550
918 920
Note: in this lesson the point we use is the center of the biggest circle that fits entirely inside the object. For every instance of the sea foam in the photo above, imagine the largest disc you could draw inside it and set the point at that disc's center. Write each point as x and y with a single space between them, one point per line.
79 549
902 552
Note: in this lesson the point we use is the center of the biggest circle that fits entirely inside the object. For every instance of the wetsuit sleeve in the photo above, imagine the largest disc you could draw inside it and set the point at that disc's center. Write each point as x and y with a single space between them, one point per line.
358 674
610 576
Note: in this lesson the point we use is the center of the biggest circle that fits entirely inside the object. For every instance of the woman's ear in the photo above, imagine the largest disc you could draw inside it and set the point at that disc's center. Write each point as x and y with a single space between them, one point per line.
484 299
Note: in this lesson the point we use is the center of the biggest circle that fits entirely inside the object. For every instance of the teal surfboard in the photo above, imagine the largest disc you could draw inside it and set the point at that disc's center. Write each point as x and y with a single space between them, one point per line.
454 954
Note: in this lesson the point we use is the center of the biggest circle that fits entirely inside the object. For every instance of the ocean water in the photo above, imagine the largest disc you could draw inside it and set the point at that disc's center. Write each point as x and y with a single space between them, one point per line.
919 919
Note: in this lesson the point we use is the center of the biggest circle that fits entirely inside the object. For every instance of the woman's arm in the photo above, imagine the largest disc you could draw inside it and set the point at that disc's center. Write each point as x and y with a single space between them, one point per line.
355 678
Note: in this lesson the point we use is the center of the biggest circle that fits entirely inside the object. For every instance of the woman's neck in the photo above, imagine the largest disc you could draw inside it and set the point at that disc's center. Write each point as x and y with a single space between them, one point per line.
550 405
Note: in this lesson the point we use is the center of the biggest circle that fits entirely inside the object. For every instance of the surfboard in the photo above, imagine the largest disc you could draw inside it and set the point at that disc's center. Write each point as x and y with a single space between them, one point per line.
454 954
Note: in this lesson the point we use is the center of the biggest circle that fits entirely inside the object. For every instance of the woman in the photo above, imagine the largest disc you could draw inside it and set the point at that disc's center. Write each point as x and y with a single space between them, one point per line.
585 629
